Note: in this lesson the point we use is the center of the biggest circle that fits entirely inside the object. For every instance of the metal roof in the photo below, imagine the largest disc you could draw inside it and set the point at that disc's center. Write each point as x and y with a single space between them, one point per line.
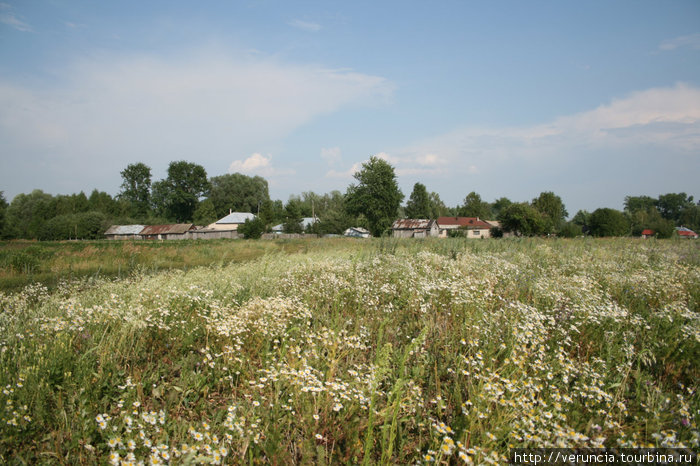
236 218
177 228
124 230
412 224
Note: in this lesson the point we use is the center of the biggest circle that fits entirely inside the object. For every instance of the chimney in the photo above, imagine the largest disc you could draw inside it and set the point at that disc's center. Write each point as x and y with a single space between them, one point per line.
230 211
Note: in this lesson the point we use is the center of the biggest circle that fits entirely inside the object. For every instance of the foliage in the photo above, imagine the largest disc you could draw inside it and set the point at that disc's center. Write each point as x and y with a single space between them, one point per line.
238 192
205 213
419 205
3 209
552 208
523 220
570 230
671 205
136 188
433 351
376 195
608 222
639 203
292 222
475 207
178 195
499 206
252 229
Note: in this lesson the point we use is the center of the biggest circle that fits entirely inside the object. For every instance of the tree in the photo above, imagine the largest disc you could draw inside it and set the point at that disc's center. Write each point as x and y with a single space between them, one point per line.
136 188
292 223
499 206
582 219
523 220
552 208
27 213
101 201
252 229
205 213
475 207
238 192
636 203
438 208
419 205
671 205
608 222
179 194
376 195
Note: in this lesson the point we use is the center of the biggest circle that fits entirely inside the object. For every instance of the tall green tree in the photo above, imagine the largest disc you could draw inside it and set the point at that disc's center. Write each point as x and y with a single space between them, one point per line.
292 223
475 207
376 195
637 203
523 220
671 205
438 208
238 192
178 195
27 213
136 188
608 222
500 205
419 205
553 210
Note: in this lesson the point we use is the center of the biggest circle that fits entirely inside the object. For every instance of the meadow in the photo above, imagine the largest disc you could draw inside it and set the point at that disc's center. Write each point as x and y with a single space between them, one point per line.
339 351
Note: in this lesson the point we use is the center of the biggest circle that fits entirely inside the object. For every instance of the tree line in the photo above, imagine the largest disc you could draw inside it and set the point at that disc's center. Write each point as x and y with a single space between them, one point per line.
373 201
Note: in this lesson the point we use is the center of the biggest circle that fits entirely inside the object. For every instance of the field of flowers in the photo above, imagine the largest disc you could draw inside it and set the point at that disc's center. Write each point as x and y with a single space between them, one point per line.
396 352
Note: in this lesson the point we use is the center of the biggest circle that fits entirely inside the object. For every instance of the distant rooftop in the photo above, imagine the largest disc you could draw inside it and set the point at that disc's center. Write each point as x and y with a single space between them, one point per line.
236 218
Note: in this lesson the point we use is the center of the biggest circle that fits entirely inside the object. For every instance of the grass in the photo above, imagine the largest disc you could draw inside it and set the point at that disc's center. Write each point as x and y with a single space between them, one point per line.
342 351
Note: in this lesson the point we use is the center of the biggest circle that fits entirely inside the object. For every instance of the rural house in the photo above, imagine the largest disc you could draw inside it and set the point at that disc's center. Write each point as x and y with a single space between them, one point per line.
231 222
647 233
684 232
305 223
474 227
414 228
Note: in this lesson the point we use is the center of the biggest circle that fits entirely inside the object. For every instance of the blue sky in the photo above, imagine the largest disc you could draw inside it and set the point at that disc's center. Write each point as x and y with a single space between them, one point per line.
591 100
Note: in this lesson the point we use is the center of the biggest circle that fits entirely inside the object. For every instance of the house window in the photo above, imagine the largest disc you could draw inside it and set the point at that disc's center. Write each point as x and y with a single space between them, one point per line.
477 232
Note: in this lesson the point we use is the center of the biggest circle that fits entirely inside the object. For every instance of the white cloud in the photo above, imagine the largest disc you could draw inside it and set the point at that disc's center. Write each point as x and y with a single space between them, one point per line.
305 25
690 40
112 110
331 155
7 16
254 163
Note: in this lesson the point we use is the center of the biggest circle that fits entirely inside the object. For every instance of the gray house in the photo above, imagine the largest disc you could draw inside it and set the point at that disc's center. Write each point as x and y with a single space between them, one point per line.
415 228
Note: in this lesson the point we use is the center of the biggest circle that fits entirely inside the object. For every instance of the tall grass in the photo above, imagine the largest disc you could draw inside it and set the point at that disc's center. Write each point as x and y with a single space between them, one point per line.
386 351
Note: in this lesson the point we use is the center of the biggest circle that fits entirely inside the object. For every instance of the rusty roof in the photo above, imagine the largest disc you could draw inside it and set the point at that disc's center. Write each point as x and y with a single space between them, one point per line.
464 222
177 228
412 224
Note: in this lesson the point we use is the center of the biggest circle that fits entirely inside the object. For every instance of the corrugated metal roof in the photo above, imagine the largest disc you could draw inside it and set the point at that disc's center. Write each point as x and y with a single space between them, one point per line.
236 217
412 224
177 228
124 230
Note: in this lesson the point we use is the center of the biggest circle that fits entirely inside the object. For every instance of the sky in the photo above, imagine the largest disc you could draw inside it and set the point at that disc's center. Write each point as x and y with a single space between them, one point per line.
592 100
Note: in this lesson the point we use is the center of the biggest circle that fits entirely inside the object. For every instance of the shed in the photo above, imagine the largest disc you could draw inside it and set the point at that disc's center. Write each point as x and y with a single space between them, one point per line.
172 231
687 233
124 232
414 228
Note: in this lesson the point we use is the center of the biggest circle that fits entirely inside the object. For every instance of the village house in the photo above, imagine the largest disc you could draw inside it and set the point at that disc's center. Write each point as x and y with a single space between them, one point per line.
647 233
687 233
231 222
473 227
305 223
414 228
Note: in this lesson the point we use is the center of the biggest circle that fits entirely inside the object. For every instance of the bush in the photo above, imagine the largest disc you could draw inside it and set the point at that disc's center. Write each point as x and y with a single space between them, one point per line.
252 229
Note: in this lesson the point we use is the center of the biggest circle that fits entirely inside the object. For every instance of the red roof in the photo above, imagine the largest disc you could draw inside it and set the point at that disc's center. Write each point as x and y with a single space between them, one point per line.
647 232
687 233
463 222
